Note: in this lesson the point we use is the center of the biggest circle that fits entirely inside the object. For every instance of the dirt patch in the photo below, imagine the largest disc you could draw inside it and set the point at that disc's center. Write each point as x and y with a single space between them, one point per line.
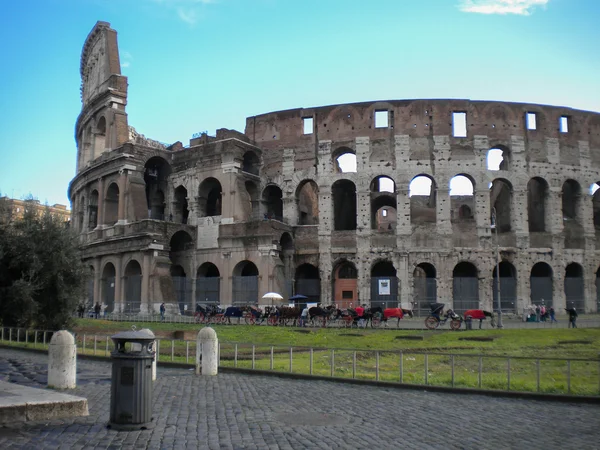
303 331
411 338
352 334
478 338
573 342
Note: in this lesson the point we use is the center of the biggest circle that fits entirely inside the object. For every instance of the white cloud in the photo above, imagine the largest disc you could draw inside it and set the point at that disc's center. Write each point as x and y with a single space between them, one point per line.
520 7
126 58
189 11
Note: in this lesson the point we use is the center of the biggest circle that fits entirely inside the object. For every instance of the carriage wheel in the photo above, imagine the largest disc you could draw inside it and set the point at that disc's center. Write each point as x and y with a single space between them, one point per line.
455 324
348 321
273 320
250 319
431 323
198 317
375 322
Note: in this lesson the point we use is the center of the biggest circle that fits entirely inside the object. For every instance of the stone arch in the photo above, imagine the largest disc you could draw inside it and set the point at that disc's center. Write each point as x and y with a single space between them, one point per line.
595 192
465 287
210 198
208 284
253 206
345 288
180 242
133 287
107 287
308 282
508 287
307 203
272 201
93 210
245 283
424 288
181 210
574 287
384 285
343 194
251 163
501 193
111 204
181 288
538 193
156 177
498 158
100 138
571 209
344 160
383 203
462 205
423 199
541 285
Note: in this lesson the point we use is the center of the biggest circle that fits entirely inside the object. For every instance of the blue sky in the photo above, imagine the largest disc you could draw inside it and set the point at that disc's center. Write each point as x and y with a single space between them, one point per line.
199 65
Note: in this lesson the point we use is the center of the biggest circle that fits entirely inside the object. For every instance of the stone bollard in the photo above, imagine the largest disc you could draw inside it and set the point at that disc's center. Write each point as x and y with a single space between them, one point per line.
154 360
62 361
207 352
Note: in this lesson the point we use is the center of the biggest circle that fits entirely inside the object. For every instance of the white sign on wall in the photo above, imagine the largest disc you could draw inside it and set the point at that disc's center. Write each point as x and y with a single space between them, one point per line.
384 287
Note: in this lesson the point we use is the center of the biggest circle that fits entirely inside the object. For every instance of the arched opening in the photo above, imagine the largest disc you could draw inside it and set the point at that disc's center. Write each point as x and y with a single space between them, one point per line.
537 204
571 208
384 285
209 198
344 160
208 284
272 200
181 241
383 204
90 290
501 201
462 206
598 290
181 288
308 283
284 273
93 210
595 192
345 292
133 287
180 206
251 163
344 205
541 285
245 284
107 287
508 287
422 193
156 176
111 205
498 158
252 207
574 287
307 201
80 211
465 287
100 140
424 288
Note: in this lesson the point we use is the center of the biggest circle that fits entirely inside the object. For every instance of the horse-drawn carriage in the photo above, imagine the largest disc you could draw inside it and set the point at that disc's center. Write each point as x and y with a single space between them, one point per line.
438 317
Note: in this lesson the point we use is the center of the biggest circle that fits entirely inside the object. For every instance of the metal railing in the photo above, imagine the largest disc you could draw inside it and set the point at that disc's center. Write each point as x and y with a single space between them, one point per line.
577 376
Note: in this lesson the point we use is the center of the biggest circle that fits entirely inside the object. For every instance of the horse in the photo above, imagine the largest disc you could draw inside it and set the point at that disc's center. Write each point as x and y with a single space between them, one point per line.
319 312
234 311
387 313
291 313
481 315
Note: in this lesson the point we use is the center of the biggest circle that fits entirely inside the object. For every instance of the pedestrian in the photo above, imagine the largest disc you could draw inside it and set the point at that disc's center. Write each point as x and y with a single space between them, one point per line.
360 311
543 312
572 317
97 310
81 310
553 315
162 312
537 313
304 316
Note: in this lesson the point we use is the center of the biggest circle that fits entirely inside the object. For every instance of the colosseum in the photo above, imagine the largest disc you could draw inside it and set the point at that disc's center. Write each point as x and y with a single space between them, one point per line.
386 202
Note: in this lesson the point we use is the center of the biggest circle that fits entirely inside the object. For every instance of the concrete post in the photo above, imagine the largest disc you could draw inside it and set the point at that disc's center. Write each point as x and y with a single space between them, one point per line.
62 361
154 359
207 352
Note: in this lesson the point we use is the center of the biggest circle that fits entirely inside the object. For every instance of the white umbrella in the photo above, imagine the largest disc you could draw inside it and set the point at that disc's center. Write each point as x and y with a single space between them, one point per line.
273 296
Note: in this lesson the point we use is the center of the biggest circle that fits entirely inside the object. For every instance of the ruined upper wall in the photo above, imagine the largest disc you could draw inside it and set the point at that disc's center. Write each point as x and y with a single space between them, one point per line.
424 119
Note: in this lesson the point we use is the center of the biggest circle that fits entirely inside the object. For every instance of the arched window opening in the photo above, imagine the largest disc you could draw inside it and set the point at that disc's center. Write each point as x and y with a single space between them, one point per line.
308 283
100 141
156 176
384 285
180 207
537 204
107 288
252 207
501 201
383 213
307 201
424 289
462 204
498 158
345 290
571 205
133 288
595 192
461 185
245 284
181 288
383 184
508 287
209 198
272 200
181 241
344 205
93 210
422 195
111 205
541 285
251 163
344 161
574 287
208 284
465 287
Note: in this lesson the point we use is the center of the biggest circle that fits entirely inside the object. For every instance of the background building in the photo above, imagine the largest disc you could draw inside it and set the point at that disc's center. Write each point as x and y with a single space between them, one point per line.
380 202
12 208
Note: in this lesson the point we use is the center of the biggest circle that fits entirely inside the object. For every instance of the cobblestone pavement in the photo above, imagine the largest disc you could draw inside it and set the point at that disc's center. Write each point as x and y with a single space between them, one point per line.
234 411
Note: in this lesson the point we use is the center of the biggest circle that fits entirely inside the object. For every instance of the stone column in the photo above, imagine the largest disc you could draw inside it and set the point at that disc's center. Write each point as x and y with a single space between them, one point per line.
100 215
442 210
119 297
145 306
403 227
97 281
122 197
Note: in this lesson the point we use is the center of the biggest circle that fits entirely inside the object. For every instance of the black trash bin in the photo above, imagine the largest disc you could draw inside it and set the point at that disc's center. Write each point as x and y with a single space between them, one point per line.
468 322
131 382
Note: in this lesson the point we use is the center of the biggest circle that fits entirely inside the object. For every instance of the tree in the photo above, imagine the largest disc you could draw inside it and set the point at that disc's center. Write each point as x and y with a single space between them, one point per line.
42 278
